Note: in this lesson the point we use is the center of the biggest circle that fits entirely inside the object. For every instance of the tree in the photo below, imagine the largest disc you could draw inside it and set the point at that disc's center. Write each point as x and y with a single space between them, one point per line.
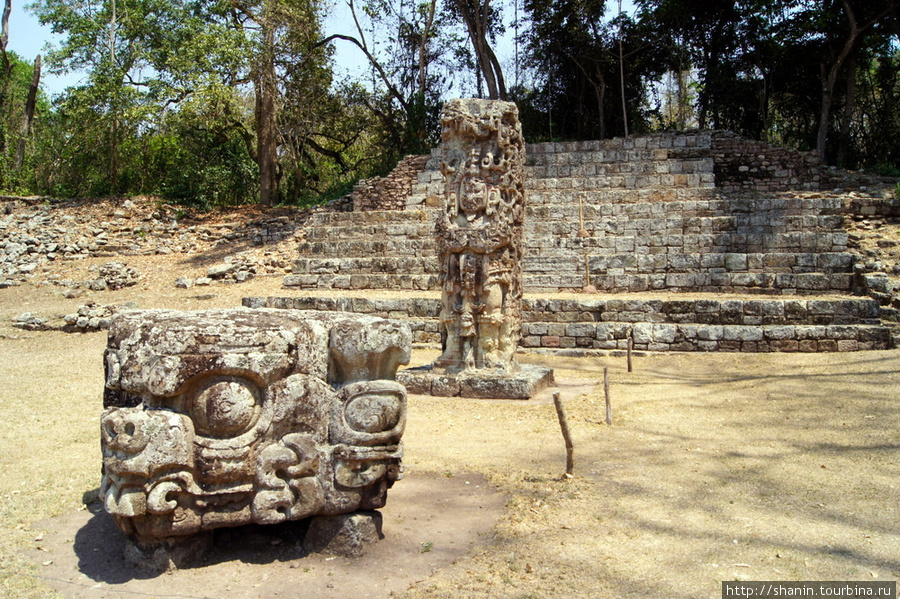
22 104
860 19
481 22
575 52
406 89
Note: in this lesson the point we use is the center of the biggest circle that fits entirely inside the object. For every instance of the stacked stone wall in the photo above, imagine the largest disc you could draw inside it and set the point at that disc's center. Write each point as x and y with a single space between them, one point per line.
654 162
389 192
748 165
628 215
602 325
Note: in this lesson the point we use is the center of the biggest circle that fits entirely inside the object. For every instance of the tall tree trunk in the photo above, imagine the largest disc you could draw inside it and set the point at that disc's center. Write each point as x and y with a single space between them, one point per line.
266 141
114 136
600 90
475 15
28 118
423 47
830 75
4 35
847 115
622 73
7 67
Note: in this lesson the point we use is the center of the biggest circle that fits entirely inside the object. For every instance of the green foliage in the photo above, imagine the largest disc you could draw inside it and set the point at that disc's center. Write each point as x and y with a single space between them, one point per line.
14 85
886 170
174 99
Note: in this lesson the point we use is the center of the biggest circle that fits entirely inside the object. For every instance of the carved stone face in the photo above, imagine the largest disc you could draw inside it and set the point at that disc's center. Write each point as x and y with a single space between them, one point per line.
223 418
473 196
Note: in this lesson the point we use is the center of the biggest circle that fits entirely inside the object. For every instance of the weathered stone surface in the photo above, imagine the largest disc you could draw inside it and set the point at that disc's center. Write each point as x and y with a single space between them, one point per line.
479 233
523 383
228 417
479 237
346 535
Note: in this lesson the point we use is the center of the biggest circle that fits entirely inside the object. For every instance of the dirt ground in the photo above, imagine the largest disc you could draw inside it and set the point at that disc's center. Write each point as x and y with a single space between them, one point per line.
717 467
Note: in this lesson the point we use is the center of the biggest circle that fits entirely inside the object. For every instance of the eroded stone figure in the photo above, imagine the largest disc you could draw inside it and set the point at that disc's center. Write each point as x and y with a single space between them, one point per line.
479 234
230 417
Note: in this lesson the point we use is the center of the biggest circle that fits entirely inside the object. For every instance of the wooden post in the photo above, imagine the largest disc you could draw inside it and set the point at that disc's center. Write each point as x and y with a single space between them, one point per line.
587 271
630 347
564 425
582 232
606 394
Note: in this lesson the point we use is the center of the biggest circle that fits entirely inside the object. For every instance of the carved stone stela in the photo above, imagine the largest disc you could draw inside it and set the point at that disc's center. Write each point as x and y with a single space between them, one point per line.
480 240
479 233
229 417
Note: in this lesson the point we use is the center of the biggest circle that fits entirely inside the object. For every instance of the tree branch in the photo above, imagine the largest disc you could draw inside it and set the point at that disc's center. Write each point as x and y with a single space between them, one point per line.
372 60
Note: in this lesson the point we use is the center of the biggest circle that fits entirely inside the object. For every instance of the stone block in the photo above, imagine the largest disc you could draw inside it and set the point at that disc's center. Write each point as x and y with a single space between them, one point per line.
828 345
530 341
581 329
841 332
808 346
736 262
813 332
847 345
779 333
742 333
344 535
664 333
642 333
711 333
247 408
550 341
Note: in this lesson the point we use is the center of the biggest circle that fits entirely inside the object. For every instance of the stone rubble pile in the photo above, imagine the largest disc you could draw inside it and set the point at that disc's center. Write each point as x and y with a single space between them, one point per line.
113 275
92 317
33 235
88 318
389 192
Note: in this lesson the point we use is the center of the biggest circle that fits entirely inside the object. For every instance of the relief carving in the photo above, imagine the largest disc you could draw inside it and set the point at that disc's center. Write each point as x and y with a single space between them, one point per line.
479 235
231 417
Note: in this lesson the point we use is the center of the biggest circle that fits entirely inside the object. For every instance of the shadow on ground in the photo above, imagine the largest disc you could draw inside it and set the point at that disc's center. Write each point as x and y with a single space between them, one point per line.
429 522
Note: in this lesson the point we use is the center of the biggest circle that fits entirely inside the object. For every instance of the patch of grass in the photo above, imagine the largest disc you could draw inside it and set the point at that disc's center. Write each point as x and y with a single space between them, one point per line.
886 170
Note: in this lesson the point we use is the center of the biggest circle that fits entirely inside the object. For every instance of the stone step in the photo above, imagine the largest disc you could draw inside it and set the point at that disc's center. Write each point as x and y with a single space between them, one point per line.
690 324
370 217
707 309
350 231
678 262
550 228
706 337
648 205
813 283
363 281
639 173
662 243
389 264
658 187
776 274
615 157
369 247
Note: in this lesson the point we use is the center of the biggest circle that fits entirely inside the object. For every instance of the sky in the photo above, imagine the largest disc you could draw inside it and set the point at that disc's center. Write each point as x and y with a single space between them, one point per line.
28 38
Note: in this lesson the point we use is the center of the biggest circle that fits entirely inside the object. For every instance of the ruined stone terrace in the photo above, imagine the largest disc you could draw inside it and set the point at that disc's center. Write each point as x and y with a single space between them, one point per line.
702 214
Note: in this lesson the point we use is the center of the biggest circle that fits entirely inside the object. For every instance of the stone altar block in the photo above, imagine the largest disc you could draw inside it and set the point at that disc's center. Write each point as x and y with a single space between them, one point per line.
479 233
230 417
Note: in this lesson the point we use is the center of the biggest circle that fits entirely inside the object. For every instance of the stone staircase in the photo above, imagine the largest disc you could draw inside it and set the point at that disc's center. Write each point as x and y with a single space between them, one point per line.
367 250
638 215
725 245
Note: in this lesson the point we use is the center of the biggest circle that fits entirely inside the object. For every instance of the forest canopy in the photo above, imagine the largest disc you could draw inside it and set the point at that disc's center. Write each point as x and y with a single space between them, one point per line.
215 102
